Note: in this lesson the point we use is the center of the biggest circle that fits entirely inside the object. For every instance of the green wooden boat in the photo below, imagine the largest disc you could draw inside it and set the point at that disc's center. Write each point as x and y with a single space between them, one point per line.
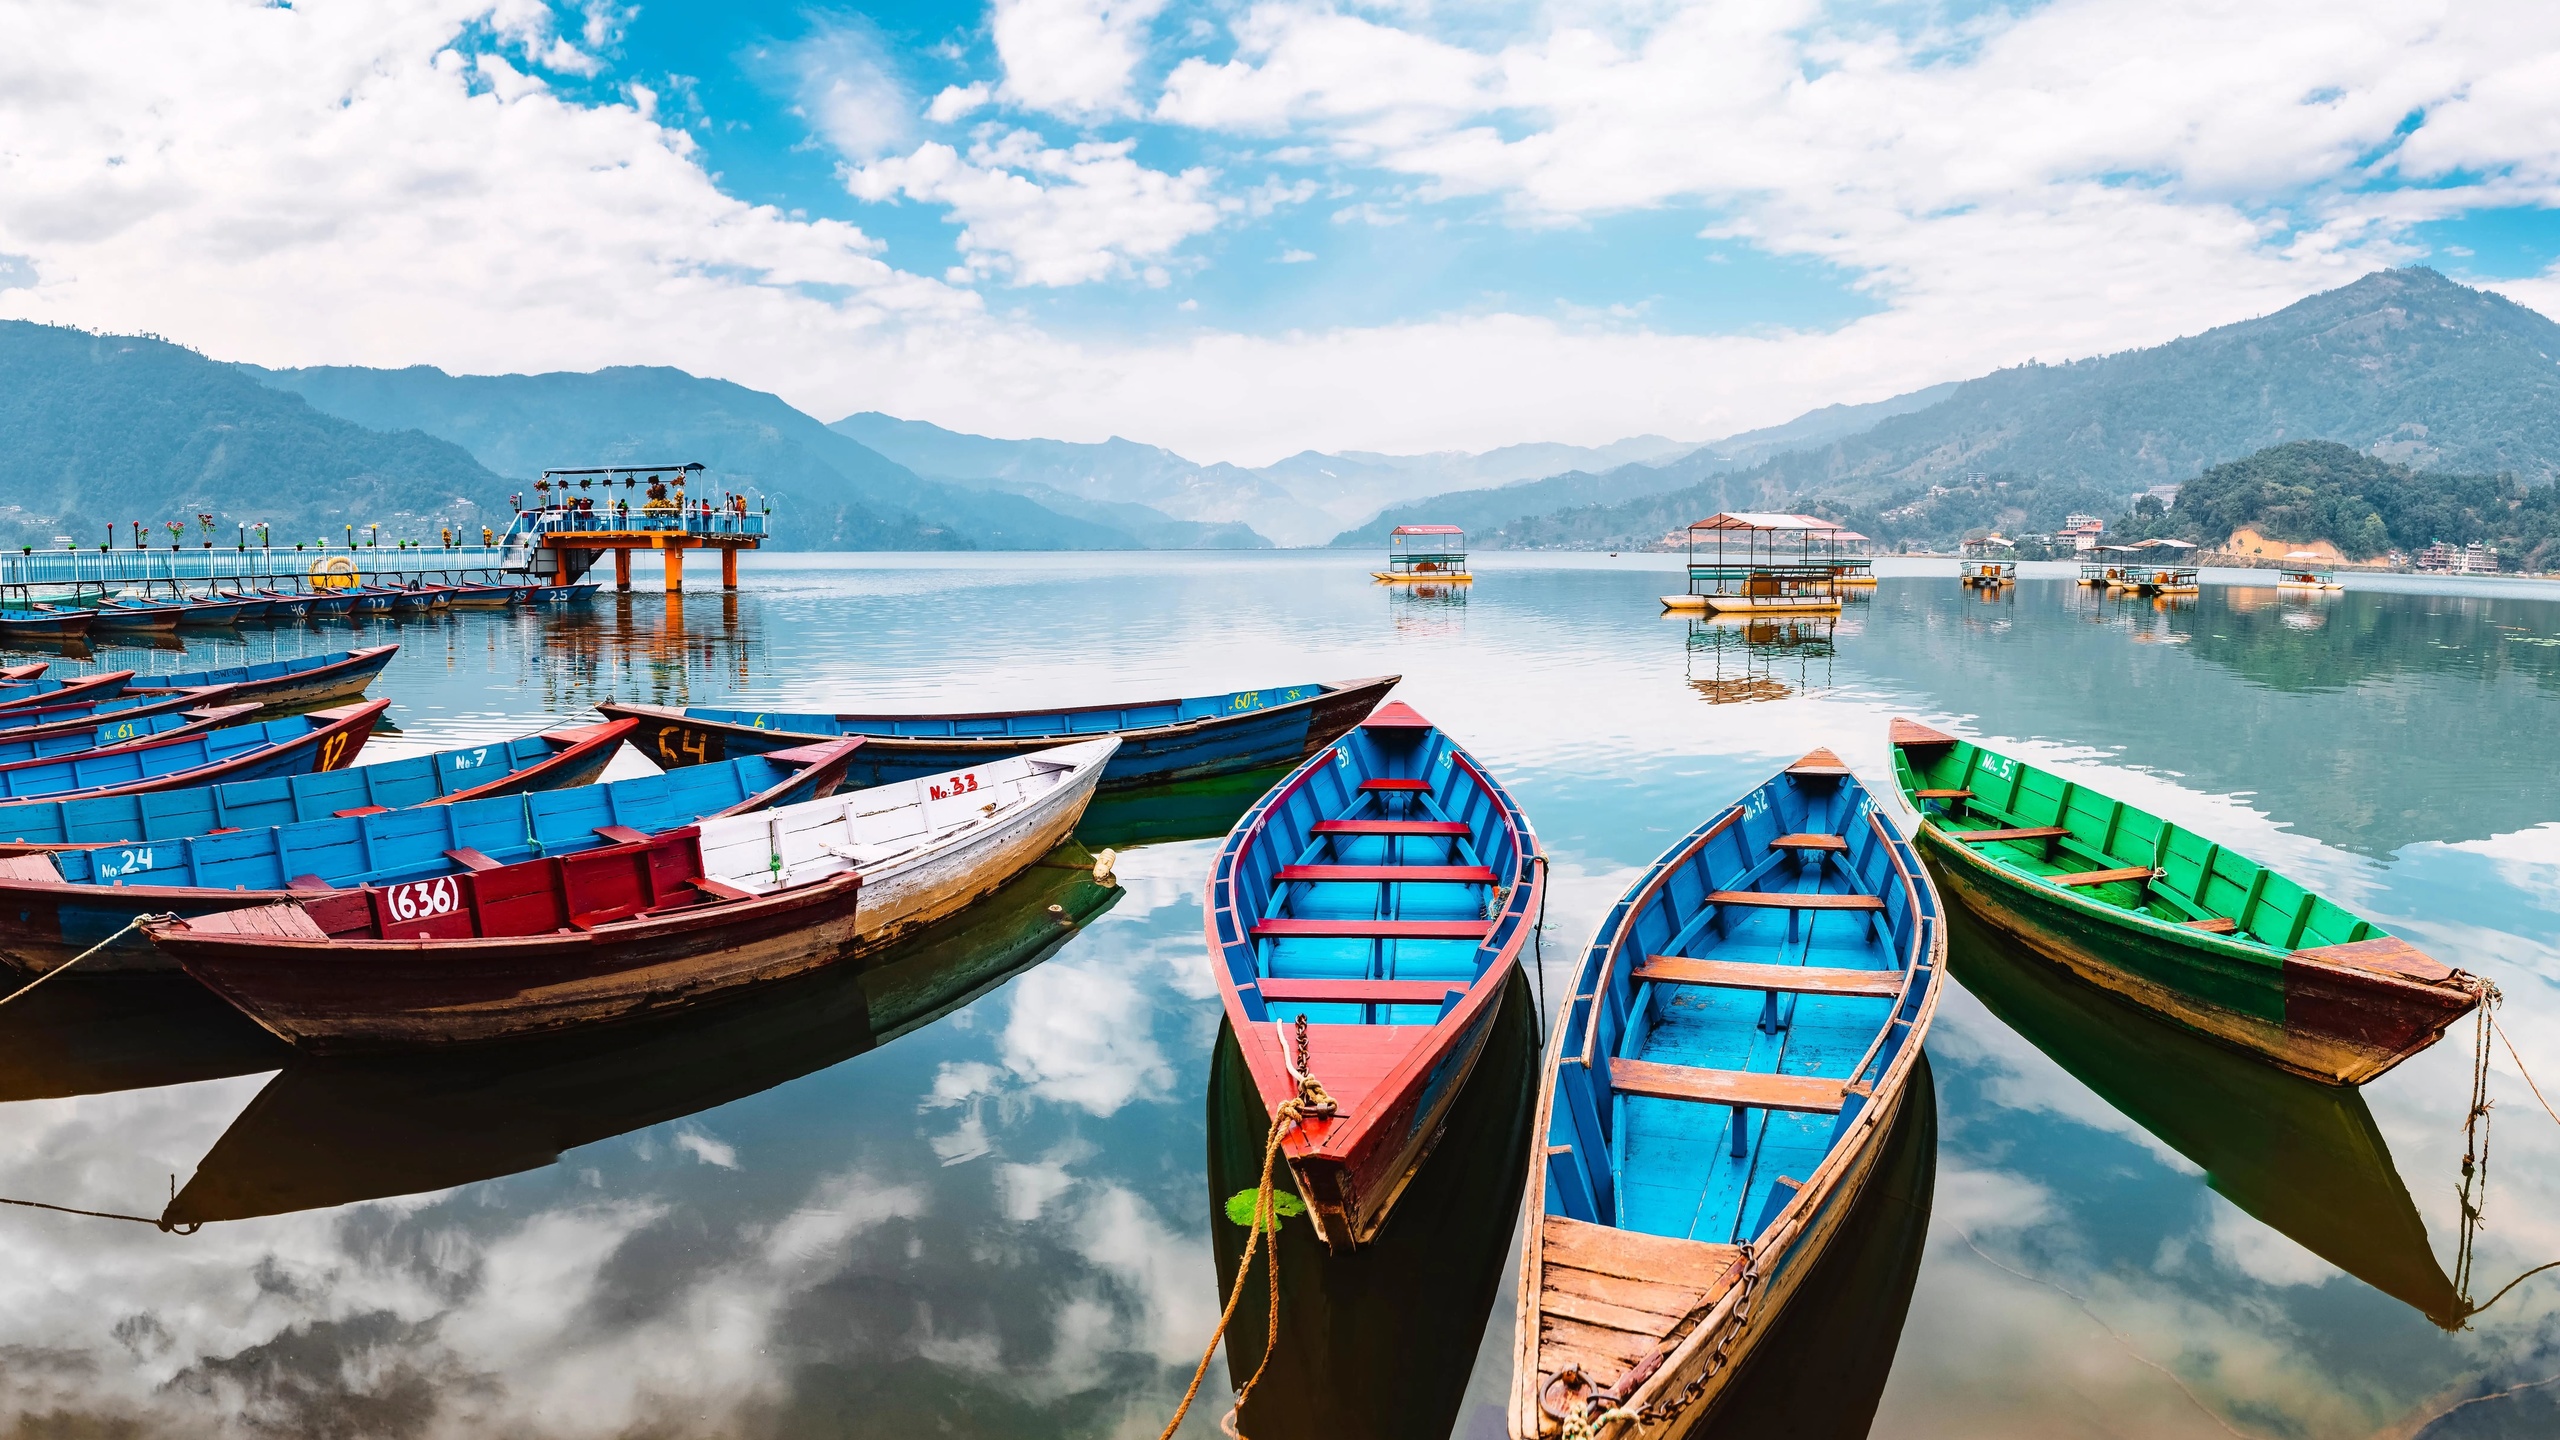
2171 920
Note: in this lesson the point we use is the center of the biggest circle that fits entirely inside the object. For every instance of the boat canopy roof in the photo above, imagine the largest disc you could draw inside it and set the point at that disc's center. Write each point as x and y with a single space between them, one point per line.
1769 520
2163 545
1429 530
687 468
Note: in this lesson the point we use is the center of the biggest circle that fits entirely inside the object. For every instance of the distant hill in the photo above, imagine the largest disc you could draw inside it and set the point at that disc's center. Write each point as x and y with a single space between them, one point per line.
108 429
831 492
2404 365
1300 500
2319 490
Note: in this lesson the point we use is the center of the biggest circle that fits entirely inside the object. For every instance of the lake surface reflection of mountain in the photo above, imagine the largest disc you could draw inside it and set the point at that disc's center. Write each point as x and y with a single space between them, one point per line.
978 1189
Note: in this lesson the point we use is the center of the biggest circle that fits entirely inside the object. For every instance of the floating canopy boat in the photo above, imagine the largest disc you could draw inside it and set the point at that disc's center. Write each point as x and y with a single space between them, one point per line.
54 906
2170 920
1762 563
2158 569
321 740
284 684
648 925
1416 554
1852 570
1362 920
1161 741
1739 1042
2302 572
2107 570
1988 574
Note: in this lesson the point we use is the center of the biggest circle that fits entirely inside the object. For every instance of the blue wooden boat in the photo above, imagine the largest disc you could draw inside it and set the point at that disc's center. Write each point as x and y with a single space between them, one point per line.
1160 740
321 740
559 594
41 721
552 760
1739 1041
54 906
283 684
321 604
100 737
45 690
123 615
1362 920
45 622
252 607
484 597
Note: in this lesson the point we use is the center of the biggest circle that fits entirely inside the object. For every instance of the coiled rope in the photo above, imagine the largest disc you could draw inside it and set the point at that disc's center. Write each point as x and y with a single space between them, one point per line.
1310 1101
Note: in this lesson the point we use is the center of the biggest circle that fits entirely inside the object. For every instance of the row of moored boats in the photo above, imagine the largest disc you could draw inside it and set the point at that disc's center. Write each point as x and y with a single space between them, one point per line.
1735 1044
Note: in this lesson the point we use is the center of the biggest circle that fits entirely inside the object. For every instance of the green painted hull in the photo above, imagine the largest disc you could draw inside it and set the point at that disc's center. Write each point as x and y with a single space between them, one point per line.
2297 980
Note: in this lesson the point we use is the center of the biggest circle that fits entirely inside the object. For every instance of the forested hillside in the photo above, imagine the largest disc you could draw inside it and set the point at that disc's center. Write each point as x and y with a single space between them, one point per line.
109 429
2319 490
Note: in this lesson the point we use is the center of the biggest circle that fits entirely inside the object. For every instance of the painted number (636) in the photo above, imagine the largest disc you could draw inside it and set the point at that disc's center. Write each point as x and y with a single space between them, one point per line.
425 898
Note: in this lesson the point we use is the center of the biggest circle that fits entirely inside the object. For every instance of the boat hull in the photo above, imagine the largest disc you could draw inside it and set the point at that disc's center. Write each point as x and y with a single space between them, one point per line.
344 678
1752 604
2321 1022
900 900
328 998
1156 755
46 625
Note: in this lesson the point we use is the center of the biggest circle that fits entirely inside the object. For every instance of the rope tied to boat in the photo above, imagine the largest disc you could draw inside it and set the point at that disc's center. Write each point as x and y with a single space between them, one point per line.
1311 1102
1590 1418
128 928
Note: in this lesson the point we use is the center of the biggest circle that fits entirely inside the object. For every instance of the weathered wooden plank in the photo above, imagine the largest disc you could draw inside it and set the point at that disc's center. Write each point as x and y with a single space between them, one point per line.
1603 1315
1909 733
2104 877
1807 1094
1607 1250
1790 900
1388 874
1743 975
1651 1297
1809 842
2217 925
1942 794
2382 955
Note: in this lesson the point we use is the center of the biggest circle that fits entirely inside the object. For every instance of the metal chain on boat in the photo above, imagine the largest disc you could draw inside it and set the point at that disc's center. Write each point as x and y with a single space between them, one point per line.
1663 1411
1589 1417
1311 1102
129 927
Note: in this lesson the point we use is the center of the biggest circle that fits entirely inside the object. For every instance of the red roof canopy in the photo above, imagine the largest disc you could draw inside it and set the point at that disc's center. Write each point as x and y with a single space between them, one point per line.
1766 520
1429 530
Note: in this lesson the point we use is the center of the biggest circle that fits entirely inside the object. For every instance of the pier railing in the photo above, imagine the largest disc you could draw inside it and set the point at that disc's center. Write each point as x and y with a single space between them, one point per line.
113 568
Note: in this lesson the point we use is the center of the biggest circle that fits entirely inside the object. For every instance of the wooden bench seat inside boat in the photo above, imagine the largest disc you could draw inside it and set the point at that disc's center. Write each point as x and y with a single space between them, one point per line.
1388 827
1743 975
1276 988
1388 874
2217 925
1806 1094
2384 955
2143 873
1292 929
1397 786
2031 832
1609 1297
1942 794
1792 900
1810 842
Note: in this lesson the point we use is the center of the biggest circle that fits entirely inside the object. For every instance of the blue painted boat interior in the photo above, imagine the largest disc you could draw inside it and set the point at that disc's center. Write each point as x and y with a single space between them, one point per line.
1710 1172
112 732
415 844
278 800
242 674
1029 724
1365 777
90 770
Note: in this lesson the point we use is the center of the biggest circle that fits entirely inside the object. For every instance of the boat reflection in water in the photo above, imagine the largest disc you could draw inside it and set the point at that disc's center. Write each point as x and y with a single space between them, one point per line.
2306 1159
90 1034
1736 660
336 1131
1378 1342
1821 1369
1163 814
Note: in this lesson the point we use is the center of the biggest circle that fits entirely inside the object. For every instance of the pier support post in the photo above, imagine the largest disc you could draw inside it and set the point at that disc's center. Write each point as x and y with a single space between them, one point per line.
728 567
675 569
622 568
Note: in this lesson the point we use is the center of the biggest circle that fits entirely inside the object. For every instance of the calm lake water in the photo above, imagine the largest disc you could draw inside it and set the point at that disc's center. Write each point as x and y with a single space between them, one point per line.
978 1191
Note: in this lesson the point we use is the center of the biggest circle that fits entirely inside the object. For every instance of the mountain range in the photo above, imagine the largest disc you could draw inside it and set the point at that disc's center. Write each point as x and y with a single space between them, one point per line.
2404 366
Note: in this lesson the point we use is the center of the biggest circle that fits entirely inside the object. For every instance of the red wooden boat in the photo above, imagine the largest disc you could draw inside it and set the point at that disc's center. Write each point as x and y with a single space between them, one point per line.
21 674
535 948
1362 919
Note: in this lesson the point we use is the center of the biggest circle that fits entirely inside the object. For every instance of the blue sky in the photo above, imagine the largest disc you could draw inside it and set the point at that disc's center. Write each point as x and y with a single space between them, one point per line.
1248 227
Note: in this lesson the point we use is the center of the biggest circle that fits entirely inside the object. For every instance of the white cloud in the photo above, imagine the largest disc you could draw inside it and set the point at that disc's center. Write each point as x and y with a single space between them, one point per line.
1296 257
1071 58
704 1148
844 80
956 101
1041 216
